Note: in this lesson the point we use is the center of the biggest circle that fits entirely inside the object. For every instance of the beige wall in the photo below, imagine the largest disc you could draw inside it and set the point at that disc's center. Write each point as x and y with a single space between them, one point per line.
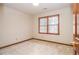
14 26
66 26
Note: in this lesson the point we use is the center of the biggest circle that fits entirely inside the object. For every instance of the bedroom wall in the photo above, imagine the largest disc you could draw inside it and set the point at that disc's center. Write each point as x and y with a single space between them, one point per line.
17 26
14 26
66 26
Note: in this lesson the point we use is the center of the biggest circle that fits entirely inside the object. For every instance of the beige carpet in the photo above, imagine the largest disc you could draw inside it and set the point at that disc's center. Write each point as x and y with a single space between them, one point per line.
37 47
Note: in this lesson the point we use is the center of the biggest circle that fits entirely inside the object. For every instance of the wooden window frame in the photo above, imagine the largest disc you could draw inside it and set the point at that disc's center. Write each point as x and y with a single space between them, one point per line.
48 25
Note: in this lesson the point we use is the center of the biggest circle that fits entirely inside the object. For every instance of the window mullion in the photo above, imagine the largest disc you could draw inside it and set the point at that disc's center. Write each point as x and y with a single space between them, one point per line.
58 25
47 24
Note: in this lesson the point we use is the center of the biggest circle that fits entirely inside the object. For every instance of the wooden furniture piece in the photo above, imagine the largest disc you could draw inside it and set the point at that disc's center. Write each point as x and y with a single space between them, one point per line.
75 43
76 46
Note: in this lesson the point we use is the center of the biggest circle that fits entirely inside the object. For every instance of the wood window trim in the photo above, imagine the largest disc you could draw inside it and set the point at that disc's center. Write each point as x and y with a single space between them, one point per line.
48 25
75 24
75 7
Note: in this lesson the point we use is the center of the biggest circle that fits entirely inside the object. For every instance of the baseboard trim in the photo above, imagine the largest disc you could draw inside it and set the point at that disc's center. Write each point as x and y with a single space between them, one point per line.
14 43
52 41
35 39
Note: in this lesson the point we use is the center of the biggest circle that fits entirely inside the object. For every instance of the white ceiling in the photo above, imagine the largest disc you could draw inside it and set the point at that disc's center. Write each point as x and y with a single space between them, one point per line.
30 9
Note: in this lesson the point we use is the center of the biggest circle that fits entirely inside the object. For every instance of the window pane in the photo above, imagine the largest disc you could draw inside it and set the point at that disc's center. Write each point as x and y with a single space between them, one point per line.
53 29
53 20
43 21
43 29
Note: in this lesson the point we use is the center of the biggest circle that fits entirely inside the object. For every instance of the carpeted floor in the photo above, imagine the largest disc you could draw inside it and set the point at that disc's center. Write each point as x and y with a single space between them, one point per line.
37 47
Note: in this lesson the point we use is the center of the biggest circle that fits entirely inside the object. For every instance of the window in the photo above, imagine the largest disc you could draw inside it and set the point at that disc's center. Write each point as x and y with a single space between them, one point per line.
43 25
49 24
